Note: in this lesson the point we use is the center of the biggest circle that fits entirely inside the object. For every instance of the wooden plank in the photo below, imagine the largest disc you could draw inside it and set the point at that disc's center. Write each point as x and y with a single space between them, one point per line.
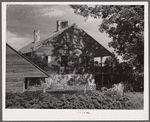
15 90
19 75
14 84
18 66
17 87
22 74
14 79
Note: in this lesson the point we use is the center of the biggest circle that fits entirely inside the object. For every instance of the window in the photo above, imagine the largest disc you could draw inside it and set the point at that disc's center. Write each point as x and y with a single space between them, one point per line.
49 59
89 61
64 60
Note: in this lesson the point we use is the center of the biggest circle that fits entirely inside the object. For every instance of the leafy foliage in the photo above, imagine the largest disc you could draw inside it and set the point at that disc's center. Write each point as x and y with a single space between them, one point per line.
90 100
79 48
125 73
124 24
73 51
42 63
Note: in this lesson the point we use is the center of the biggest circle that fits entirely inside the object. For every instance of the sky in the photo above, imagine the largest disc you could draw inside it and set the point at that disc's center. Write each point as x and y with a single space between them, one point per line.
22 20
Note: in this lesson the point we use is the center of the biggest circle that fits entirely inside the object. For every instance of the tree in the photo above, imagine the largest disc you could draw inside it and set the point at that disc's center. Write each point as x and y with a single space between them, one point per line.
124 24
42 63
77 48
124 72
73 52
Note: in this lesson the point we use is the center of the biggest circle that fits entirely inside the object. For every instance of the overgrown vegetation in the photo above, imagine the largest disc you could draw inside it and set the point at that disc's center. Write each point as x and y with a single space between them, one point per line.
124 72
89 100
125 25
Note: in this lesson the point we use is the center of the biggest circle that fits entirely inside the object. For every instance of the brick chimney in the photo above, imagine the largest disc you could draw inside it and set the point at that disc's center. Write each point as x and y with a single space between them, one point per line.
36 36
61 24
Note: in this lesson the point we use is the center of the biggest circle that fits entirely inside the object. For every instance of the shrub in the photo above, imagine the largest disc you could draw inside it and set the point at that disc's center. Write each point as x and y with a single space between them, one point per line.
89 100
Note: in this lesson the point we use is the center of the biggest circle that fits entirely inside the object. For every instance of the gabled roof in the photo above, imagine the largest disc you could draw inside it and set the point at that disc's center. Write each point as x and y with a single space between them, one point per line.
37 45
21 61
102 51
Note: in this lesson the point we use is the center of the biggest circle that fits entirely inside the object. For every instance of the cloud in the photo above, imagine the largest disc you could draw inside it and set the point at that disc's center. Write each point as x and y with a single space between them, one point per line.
15 23
48 12
15 41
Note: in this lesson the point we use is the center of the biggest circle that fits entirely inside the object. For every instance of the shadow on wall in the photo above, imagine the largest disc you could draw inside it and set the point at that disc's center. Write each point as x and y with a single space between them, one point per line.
72 52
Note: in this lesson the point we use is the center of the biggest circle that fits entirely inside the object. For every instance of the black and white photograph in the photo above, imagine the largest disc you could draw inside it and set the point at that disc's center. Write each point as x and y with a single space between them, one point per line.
73 60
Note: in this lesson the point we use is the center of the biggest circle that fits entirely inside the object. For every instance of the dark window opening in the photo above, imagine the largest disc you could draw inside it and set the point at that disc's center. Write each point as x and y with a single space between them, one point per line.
32 82
46 58
64 60
26 83
89 61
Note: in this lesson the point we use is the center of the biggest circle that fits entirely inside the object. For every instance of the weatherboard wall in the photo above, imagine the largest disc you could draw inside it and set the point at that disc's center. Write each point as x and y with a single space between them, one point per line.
17 69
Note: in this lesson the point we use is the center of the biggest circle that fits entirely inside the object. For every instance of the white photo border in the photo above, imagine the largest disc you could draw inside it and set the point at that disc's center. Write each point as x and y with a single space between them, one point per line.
59 114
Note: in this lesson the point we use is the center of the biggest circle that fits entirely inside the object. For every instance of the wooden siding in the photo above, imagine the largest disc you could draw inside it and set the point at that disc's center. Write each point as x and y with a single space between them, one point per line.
45 50
18 66
17 69
14 84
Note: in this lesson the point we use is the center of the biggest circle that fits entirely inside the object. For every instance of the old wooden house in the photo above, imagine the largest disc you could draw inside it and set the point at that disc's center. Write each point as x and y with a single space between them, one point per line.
20 72
69 50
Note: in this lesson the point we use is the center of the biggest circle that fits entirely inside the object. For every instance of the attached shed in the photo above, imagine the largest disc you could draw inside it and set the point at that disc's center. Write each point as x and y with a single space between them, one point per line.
19 69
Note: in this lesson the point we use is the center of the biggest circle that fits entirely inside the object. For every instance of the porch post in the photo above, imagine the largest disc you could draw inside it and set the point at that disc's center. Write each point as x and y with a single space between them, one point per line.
85 64
101 58
24 85
111 73
28 83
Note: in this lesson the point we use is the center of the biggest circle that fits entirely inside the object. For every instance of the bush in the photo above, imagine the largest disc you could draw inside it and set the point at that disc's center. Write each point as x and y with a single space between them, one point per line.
89 100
